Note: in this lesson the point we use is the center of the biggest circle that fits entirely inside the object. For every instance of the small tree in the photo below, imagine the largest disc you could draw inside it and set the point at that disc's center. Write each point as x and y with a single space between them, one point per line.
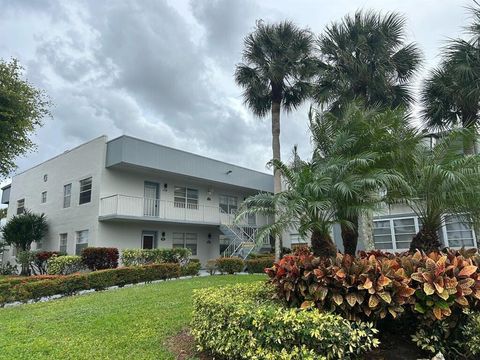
21 230
22 108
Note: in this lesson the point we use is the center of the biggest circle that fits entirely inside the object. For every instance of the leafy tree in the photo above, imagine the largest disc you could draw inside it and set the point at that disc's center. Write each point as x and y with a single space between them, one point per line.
366 57
275 74
451 94
441 181
384 137
22 108
21 230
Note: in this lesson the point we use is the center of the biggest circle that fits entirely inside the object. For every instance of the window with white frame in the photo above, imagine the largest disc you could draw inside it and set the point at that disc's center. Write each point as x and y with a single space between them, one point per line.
394 234
458 232
185 197
81 241
85 191
185 240
228 204
67 195
20 206
44 197
63 243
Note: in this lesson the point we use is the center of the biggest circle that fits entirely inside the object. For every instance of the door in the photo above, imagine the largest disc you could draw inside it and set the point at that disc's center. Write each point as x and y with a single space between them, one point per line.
149 239
150 200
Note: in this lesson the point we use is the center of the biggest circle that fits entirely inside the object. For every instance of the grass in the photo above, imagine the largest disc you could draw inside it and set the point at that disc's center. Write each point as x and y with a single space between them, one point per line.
129 323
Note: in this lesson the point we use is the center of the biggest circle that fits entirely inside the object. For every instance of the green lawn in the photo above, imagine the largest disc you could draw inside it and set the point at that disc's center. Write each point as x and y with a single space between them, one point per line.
130 323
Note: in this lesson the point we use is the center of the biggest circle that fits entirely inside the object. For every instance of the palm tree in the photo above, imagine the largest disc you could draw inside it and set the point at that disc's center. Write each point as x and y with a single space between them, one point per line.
327 190
384 135
442 181
366 57
451 95
276 72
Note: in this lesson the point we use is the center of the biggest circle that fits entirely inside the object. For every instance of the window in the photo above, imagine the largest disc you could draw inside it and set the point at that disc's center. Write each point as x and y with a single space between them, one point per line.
458 232
185 240
228 204
44 197
63 243
185 197
67 195
394 234
81 241
149 238
85 191
20 206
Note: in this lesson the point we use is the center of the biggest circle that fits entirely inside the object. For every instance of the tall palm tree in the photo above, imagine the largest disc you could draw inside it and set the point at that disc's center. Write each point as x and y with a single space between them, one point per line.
451 94
275 74
441 181
385 135
365 56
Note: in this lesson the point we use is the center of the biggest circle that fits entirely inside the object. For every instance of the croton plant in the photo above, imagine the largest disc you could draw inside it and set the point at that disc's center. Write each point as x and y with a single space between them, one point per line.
375 285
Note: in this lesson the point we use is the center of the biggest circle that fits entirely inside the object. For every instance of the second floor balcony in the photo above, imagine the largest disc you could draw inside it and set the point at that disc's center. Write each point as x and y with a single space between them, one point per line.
132 207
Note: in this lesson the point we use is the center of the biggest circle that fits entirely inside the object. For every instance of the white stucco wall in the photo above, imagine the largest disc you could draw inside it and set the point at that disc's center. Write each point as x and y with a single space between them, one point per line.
82 162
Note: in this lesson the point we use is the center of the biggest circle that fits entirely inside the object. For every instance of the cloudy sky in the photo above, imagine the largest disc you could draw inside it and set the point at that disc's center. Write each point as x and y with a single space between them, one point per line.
163 70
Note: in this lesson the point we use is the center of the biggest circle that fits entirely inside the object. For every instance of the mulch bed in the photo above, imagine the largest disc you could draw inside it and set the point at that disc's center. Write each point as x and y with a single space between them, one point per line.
393 347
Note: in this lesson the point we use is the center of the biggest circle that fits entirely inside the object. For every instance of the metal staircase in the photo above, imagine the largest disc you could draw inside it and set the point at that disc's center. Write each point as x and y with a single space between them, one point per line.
242 240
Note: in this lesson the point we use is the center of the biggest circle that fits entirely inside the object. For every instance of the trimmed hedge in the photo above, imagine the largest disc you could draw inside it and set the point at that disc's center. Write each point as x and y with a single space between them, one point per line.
37 287
242 322
136 257
65 265
229 265
99 258
259 264
192 268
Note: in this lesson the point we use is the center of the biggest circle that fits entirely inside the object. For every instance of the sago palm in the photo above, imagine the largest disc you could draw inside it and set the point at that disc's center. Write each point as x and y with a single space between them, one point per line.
275 74
441 181
451 94
365 56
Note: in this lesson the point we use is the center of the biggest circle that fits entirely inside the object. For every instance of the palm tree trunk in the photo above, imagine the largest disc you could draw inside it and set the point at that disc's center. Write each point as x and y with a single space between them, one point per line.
322 244
365 230
277 181
426 240
469 144
350 239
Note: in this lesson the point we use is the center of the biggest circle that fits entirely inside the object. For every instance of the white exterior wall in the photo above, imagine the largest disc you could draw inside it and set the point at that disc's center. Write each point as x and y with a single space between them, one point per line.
82 162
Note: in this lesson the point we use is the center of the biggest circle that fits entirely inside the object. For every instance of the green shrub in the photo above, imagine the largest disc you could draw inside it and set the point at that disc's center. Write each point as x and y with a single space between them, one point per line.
136 257
8 269
451 338
211 266
35 287
191 269
229 265
258 265
64 265
242 322
99 258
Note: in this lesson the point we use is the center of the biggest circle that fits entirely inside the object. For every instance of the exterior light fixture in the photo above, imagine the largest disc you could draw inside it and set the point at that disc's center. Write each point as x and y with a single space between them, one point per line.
165 187
209 241
163 236
229 172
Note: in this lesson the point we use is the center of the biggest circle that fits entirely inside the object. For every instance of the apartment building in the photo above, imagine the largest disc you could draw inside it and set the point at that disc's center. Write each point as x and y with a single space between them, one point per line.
131 193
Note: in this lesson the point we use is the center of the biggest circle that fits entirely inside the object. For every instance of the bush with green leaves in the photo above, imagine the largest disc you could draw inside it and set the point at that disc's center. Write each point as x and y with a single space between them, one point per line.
243 322
135 257
65 265
258 265
192 268
229 265
8 269
454 339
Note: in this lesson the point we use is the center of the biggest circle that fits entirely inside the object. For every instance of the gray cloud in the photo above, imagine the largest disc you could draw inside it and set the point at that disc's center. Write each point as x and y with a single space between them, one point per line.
163 70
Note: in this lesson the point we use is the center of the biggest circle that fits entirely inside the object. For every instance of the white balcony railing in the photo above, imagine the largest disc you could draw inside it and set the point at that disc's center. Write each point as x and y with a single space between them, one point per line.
132 206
